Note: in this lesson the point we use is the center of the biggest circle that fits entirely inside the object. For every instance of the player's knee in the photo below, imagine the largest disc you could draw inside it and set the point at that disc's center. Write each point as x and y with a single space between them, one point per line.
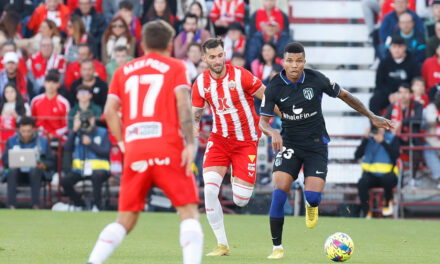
241 194
313 198
213 181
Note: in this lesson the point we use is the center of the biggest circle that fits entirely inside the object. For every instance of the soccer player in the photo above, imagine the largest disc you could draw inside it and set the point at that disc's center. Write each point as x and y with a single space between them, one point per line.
298 92
229 91
153 94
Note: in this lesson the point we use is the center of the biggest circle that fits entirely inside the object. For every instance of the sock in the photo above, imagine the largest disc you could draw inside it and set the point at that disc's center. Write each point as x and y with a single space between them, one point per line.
191 240
108 241
214 211
274 247
277 216
313 198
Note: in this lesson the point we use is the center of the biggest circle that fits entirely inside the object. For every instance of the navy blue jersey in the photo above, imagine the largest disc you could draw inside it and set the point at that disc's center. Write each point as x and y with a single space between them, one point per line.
300 104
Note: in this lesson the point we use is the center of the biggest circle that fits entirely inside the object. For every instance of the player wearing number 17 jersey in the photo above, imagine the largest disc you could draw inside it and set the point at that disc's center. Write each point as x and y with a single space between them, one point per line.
153 94
229 92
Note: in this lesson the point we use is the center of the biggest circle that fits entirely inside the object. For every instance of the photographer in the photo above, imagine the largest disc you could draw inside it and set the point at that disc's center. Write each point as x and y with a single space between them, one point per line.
27 138
91 149
380 150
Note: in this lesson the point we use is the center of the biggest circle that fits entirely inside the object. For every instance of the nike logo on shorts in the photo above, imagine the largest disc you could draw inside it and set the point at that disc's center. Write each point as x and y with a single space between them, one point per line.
319 172
284 99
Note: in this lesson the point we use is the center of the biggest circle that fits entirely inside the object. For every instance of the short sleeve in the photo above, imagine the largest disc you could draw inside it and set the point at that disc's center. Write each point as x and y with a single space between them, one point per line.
181 78
197 99
330 87
268 102
250 83
116 85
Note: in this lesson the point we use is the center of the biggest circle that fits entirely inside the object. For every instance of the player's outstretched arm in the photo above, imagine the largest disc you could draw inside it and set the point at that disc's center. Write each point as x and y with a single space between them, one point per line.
277 140
186 126
197 114
113 120
357 105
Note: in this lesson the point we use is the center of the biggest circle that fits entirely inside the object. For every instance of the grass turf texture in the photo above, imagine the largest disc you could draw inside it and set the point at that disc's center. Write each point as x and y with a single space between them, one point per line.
53 237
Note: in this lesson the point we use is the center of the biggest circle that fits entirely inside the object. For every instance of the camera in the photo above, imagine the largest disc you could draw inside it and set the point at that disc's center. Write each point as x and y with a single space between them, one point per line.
85 123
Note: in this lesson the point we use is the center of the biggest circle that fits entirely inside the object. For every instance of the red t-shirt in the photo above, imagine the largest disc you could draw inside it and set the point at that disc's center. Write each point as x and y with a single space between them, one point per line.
145 87
431 72
60 17
51 114
73 4
388 7
262 17
231 11
231 101
73 72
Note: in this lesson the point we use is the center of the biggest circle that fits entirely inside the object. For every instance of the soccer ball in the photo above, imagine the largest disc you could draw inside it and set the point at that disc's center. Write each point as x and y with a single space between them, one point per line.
339 247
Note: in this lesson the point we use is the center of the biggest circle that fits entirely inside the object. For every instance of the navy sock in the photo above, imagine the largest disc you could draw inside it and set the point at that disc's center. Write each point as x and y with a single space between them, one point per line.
313 198
277 215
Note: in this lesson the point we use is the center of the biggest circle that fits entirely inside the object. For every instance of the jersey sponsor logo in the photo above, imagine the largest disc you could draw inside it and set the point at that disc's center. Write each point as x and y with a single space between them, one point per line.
155 64
142 165
143 130
308 93
296 111
252 157
300 116
224 107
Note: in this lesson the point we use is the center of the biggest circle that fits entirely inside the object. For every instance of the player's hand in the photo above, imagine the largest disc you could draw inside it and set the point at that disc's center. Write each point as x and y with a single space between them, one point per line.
188 155
277 141
382 122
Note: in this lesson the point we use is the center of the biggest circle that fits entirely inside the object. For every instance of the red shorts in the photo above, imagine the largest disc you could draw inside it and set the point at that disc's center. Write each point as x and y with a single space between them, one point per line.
162 171
222 151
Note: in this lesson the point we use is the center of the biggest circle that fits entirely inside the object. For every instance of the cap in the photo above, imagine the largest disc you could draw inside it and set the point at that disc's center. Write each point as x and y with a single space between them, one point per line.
10 57
397 39
86 114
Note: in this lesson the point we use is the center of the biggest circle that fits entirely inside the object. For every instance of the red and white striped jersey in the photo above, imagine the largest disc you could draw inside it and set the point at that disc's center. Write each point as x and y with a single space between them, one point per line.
231 101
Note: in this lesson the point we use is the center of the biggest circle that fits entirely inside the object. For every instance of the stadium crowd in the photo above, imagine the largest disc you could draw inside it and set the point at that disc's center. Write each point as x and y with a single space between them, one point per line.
57 59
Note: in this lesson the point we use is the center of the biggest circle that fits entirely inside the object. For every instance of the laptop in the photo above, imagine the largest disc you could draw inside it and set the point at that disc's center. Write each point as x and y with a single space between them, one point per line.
22 158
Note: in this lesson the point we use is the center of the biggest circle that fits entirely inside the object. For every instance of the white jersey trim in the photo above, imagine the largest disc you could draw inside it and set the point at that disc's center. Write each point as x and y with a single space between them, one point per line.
214 95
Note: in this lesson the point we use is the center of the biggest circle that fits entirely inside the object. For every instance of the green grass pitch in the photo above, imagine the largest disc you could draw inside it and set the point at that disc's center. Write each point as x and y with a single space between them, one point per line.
53 237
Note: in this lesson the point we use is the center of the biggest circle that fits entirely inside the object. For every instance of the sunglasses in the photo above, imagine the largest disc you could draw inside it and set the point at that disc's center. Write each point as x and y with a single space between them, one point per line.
118 26
83 92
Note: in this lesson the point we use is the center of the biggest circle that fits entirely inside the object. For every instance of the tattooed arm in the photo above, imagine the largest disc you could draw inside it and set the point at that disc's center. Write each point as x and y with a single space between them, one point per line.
357 105
186 125
197 114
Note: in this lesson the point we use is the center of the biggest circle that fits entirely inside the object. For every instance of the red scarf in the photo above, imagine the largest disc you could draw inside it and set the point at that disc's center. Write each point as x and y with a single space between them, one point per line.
397 115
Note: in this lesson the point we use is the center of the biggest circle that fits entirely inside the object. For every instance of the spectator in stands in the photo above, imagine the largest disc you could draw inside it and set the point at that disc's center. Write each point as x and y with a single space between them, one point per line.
116 34
429 24
84 96
10 22
48 29
73 68
191 34
202 67
431 69
418 91
22 7
235 40
173 4
389 23
396 68
76 34
262 66
407 116
11 74
270 33
380 150
414 40
268 12
53 10
224 12
28 138
90 145
111 7
10 46
193 58
74 4
41 62
196 8
160 9
121 57
94 22
371 9
88 78
434 41
432 157
238 60
133 22
50 109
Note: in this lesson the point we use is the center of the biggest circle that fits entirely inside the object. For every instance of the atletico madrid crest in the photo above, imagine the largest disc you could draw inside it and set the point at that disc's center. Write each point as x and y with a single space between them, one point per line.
308 93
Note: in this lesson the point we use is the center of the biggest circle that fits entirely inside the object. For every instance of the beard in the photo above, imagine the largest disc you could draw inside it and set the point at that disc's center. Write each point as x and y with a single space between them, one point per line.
211 67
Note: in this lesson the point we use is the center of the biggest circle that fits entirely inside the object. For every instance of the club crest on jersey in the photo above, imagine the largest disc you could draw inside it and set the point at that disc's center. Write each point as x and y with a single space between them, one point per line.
231 84
308 93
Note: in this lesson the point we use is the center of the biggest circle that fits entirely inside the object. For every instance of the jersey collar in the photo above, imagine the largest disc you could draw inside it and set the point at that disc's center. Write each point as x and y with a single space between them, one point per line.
288 82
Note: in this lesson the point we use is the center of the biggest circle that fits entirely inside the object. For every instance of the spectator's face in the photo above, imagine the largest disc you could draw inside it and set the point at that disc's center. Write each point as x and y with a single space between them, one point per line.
51 87
437 30
85 6
202 67
10 94
406 23
126 14
400 6
436 10
84 96
269 4
121 57
418 88
46 47
45 30
398 51
70 29
87 71
118 28
234 34
83 54
404 95
52 4
190 25
215 58
195 10
294 65
194 54
11 68
268 53
270 30
26 132
7 49
160 6
237 61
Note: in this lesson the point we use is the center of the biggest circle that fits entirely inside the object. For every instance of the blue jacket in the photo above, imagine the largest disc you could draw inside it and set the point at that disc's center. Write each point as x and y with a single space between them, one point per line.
255 45
97 152
390 21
